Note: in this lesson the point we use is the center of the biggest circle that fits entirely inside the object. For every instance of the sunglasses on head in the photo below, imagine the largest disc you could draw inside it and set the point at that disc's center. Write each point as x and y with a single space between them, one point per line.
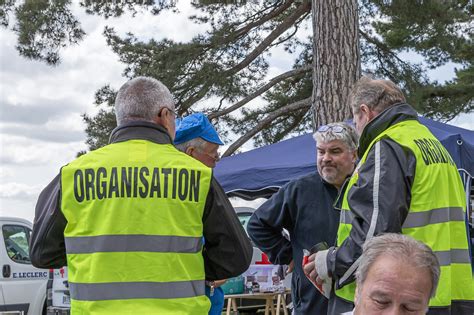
336 129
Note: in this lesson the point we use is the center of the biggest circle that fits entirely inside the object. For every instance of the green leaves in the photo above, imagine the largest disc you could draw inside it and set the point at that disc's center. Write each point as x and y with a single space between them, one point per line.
224 70
99 128
209 65
44 27
434 29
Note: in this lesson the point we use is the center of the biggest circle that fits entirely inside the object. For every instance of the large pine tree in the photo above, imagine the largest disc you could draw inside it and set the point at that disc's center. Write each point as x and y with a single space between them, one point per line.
229 63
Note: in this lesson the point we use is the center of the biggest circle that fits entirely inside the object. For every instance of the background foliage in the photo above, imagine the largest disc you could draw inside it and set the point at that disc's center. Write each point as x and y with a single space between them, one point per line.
222 70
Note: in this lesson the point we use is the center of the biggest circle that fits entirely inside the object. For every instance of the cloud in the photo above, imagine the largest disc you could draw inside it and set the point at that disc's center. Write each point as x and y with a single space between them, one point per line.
21 150
45 103
19 191
465 121
60 135
167 24
18 208
37 113
12 65
52 121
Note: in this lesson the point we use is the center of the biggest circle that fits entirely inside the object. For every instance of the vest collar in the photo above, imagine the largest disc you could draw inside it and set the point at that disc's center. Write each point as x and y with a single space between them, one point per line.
140 130
389 117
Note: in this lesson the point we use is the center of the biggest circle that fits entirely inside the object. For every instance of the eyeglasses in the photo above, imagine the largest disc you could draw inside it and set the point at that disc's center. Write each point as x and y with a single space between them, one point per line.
171 110
335 129
175 113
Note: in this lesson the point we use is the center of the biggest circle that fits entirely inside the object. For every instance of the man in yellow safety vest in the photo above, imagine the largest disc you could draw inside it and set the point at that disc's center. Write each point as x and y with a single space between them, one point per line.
406 182
129 218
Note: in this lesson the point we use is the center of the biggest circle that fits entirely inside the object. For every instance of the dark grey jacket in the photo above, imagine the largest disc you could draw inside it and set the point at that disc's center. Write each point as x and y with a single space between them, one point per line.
305 208
227 249
397 171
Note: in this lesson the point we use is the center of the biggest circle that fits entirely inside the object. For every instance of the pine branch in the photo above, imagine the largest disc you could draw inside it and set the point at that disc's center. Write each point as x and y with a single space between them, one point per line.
296 26
194 98
302 104
260 91
247 28
280 29
380 46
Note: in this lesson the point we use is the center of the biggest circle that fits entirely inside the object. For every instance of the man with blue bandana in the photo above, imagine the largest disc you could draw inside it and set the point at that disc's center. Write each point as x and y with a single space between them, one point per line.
196 137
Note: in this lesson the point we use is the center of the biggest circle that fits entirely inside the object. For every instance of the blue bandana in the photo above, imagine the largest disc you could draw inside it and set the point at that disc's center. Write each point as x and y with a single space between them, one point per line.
194 126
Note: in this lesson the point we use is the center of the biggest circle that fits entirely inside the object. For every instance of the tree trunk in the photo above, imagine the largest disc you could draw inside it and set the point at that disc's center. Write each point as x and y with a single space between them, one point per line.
336 59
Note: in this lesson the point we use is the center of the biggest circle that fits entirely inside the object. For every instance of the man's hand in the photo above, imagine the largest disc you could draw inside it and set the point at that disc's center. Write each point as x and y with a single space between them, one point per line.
316 271
310 268
218 283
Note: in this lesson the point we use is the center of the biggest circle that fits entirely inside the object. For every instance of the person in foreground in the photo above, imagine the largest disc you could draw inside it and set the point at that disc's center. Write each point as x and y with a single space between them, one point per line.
396 275
196 137
406 182
129 218
305 208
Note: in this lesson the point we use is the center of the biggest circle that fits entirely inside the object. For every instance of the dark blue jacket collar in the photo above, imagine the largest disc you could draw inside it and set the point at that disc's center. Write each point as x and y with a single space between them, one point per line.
140 130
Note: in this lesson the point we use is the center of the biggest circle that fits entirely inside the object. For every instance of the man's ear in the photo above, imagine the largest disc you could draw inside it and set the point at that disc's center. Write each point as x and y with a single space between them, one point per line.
354 156
158 120
161 120
365 109
369 113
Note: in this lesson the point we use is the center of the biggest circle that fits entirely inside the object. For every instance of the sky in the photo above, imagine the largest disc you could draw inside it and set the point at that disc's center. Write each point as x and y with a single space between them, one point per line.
41 128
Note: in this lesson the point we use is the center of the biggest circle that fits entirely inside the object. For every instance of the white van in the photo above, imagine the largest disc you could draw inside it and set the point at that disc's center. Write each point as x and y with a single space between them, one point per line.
22 286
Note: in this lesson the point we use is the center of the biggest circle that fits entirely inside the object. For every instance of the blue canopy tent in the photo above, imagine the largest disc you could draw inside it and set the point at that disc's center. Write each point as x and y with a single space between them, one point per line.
262 171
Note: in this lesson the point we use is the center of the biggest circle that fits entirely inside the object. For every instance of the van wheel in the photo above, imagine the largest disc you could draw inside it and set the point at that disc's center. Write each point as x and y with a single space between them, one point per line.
45 309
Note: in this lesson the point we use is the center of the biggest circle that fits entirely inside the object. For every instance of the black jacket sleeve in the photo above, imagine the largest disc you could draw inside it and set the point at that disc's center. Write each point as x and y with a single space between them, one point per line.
47 249
227 249
266 224
379 203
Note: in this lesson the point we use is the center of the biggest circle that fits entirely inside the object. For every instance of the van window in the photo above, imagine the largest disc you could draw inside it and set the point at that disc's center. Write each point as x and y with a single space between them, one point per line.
16 239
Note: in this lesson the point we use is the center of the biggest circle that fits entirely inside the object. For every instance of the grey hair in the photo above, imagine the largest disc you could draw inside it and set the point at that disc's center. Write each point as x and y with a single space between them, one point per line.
400 247
141 98
348 135
378 95
196 142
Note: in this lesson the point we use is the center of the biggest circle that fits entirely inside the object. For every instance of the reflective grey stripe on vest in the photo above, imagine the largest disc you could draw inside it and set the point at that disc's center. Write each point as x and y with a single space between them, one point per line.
453 256
133 243
136 290
441 215
346 217
419 219
375 213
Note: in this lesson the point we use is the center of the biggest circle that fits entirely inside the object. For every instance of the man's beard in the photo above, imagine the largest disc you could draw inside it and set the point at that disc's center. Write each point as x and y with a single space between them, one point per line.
330 176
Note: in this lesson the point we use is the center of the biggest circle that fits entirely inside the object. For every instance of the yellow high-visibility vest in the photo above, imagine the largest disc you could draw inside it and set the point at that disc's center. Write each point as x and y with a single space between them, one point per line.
134 230
436 215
